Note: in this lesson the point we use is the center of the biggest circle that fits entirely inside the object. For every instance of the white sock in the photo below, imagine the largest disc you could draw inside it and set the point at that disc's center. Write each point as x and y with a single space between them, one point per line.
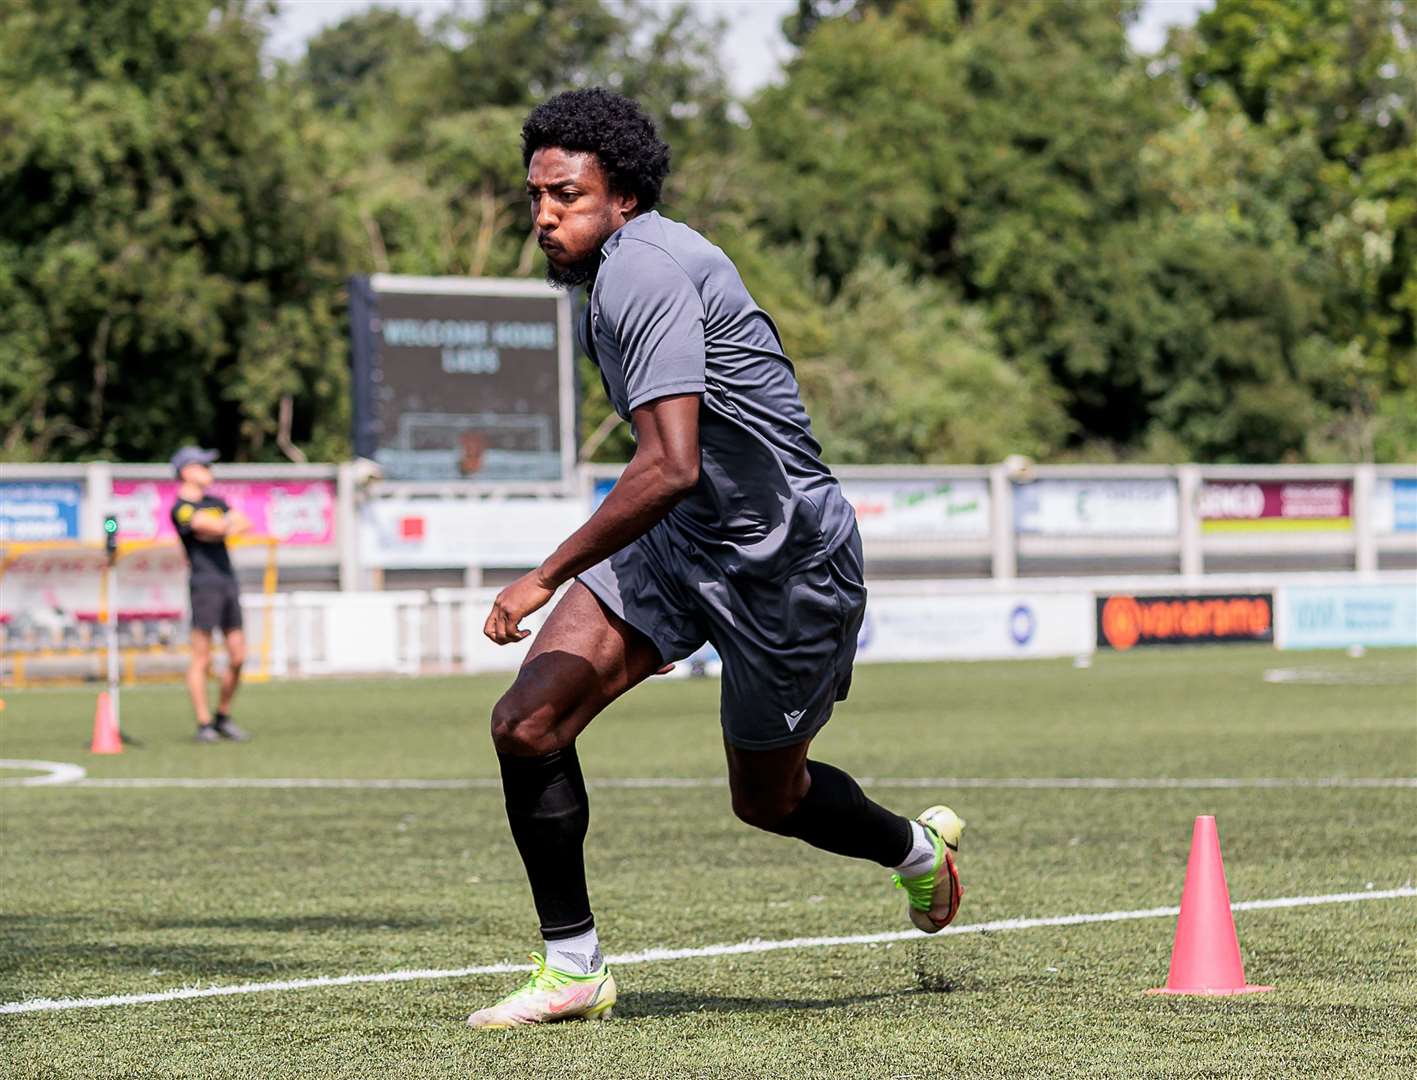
579 955
921 856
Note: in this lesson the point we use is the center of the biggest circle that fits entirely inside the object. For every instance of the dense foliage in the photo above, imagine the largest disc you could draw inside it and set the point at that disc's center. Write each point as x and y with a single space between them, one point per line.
984 227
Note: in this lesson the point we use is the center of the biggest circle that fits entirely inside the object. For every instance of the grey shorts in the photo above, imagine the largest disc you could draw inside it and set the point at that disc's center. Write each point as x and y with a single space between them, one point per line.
787 645
216 605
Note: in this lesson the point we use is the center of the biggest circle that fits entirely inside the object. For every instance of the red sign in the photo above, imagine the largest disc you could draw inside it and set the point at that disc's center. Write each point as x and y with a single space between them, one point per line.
1243 505
1124 622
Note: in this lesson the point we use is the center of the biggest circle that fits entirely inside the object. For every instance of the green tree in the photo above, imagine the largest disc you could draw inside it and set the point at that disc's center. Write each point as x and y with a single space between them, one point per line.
989 146
1333 83
438 182
1215 265
901 371
351 66
172 248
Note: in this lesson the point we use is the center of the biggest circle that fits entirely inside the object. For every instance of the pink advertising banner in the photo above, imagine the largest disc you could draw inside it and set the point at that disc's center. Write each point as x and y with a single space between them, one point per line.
293 513
1242 506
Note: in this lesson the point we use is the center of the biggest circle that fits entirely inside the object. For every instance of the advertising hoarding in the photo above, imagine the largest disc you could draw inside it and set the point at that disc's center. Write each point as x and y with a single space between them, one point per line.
295 513
463 378
1060 507
406 533
976 627
599 489
1395 507
1265 505
1126 622
919 509
38 511
900 509
1004 627
68 584
1335 617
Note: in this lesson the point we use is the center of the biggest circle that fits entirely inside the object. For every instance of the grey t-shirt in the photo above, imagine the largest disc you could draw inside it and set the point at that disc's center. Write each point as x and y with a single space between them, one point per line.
668 314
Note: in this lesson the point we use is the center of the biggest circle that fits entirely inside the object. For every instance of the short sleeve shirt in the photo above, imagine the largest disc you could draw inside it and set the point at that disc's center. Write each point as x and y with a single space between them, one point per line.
208 559
669 314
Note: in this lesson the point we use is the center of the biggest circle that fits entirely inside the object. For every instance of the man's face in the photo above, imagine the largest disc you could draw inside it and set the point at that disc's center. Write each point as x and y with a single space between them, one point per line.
574 212
197 474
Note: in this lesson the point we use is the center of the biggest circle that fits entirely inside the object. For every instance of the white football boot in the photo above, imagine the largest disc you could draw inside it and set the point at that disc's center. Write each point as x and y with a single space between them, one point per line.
550 996
936 894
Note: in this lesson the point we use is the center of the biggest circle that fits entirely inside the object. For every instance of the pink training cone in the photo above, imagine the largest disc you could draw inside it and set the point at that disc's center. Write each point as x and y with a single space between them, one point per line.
1206 956
106 739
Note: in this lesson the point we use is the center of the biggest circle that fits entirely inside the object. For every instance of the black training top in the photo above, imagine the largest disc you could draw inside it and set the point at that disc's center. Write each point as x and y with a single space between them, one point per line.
208 558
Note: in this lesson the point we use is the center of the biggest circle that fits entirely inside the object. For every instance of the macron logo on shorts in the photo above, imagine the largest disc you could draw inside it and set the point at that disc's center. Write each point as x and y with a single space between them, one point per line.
792 718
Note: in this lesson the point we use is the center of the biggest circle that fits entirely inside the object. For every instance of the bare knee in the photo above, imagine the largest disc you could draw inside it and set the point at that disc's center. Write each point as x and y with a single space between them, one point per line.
235 649
523 730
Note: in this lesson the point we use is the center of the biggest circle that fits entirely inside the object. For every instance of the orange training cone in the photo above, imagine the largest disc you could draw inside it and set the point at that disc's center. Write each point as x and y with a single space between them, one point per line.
1206 956
106 739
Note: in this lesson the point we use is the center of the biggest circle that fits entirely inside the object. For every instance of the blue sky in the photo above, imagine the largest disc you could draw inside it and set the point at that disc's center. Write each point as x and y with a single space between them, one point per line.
754 50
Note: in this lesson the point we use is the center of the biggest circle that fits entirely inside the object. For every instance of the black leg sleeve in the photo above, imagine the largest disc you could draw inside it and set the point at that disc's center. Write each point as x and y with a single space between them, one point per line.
549 813
836 816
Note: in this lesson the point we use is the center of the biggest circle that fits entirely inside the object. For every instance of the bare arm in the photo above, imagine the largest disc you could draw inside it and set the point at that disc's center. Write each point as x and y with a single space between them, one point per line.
664 469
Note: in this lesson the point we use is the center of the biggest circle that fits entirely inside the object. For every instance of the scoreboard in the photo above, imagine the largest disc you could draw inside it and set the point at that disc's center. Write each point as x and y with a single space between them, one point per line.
463 379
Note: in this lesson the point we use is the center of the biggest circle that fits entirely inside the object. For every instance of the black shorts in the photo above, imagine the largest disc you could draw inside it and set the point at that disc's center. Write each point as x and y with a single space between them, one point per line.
787 645
216 605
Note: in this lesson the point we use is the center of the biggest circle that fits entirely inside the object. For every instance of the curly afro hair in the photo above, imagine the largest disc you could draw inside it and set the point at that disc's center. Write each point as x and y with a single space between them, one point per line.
613 128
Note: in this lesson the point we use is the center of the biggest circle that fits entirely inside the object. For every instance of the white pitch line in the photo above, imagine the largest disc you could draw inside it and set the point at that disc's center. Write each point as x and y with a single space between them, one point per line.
261 783
652 956
52 772
1061 783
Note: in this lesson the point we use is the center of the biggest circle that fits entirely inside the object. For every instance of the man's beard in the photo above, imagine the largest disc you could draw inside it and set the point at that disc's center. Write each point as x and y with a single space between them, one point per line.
581 272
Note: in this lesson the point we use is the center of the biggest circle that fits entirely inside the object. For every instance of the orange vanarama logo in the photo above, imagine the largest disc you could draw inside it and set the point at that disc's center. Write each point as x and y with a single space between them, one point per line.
1126 621
1121 621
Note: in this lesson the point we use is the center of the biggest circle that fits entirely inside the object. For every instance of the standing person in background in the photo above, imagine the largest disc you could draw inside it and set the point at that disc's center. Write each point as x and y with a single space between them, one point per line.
204 522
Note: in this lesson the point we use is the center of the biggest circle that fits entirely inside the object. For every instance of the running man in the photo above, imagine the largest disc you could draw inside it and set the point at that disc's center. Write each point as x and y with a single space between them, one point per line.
204 522
725 527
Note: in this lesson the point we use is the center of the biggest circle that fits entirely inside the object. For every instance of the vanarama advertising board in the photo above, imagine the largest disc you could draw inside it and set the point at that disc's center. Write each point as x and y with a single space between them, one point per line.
1125 622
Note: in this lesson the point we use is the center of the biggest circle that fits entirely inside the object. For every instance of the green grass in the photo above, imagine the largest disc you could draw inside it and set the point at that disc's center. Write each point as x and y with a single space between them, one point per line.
117 891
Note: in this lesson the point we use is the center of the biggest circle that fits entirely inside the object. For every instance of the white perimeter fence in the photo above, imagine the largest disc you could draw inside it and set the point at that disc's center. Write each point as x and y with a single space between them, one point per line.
339 526
411 631
964 563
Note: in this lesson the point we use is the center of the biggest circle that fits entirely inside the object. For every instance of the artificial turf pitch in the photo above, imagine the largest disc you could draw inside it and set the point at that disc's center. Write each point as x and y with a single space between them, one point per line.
132 890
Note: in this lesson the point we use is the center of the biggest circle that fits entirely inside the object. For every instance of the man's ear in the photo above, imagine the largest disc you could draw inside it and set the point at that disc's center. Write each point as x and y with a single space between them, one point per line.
627 205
